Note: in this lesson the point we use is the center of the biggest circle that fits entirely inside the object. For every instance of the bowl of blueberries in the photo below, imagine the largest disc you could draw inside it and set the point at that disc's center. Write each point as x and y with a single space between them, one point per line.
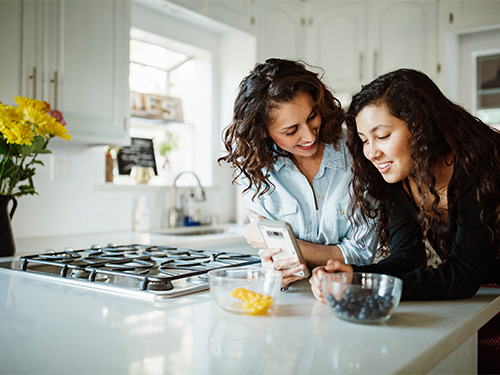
359 297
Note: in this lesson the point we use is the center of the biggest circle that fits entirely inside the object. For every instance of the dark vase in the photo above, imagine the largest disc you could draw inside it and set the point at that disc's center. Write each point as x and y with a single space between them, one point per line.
7 246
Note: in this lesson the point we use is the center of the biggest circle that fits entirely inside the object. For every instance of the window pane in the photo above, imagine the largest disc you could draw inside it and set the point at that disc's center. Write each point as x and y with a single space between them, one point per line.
156 56
147 80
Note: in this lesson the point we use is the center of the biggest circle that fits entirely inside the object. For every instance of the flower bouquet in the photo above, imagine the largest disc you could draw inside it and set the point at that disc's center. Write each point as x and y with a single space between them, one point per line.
25 132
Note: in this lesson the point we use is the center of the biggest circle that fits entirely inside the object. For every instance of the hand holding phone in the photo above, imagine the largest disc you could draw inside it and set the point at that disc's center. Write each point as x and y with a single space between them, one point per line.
279 234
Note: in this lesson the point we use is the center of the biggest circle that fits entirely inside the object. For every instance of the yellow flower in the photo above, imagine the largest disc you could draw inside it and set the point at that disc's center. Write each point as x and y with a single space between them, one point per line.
18 132
50 126
34 104
8 113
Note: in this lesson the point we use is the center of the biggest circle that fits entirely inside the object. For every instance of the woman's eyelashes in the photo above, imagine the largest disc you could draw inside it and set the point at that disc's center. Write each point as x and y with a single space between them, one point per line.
312 116
294 129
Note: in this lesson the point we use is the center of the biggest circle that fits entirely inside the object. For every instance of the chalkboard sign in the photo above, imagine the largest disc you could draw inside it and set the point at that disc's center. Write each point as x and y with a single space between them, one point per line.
140 153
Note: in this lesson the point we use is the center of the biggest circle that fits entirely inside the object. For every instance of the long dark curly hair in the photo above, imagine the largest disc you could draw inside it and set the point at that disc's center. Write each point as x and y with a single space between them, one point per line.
438 127
250 149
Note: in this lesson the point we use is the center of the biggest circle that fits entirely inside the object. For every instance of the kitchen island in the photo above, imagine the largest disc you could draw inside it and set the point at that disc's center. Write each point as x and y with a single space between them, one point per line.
49 328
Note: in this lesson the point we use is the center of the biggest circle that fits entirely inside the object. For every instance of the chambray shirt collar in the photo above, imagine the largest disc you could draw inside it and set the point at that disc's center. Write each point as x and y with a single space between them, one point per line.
331 159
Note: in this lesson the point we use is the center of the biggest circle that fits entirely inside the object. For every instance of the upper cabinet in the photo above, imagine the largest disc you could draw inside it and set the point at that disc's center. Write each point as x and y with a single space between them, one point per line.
337 41
353 41
403 35
281 30
239 14
468 15
74 55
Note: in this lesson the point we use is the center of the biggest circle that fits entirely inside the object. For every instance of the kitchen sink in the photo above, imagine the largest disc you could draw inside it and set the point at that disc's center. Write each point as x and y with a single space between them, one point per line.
200 230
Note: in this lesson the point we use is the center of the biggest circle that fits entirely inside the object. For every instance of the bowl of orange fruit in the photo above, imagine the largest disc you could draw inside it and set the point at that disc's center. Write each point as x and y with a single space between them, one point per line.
245 290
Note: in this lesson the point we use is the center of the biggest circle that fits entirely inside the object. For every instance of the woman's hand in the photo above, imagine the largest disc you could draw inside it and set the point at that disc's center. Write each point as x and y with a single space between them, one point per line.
252 231
282 265
332 266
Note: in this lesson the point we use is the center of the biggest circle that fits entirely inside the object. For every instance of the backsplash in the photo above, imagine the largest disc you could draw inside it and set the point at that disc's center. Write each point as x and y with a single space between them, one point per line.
69 202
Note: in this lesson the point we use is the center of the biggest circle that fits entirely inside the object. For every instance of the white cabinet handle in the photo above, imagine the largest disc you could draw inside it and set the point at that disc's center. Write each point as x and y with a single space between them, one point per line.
375 63
33 77
55 89
361 66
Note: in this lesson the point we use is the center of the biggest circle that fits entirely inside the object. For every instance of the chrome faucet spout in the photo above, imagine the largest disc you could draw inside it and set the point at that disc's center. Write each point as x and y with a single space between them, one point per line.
176 207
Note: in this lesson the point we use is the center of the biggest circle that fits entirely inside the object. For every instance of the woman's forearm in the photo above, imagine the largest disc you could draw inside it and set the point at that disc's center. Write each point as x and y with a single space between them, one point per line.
317 255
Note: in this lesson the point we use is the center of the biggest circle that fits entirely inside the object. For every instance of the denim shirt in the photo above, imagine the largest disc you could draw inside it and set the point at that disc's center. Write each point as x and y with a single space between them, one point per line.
293 201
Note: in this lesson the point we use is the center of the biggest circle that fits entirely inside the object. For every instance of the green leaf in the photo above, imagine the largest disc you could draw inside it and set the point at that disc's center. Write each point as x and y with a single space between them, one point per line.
39 144
24 150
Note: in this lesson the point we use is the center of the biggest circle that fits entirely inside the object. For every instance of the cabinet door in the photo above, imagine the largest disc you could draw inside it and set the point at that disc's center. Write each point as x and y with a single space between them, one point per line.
403 34
236 13
21 31
281 28
86 60
10 45
336 42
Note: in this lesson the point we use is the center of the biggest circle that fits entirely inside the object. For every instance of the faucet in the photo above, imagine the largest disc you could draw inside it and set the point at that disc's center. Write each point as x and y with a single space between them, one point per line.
175 206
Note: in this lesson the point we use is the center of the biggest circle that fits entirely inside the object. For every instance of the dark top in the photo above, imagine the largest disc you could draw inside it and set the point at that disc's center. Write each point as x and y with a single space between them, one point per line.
472 258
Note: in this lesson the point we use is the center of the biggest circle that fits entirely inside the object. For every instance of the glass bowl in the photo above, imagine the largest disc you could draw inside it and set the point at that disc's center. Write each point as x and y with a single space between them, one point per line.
362 297
245 290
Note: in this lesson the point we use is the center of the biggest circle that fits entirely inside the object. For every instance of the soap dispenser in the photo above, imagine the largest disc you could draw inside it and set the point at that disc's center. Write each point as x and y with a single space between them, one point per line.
141 216
192 217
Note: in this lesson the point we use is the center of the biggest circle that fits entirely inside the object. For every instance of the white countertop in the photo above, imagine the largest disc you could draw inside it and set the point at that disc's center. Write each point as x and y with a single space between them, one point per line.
58 328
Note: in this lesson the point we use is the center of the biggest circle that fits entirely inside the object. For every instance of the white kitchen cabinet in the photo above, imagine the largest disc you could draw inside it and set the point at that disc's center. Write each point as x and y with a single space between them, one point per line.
74 55
468 15
10 45
402 34
238 14
337 41
353 41
281 27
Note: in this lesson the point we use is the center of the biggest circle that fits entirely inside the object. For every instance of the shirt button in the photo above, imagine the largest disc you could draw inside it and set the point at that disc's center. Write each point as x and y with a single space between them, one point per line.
341 212
278 208
320 196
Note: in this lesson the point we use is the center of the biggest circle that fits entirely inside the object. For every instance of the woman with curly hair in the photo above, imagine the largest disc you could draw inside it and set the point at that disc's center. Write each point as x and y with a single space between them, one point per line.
435 169
287 148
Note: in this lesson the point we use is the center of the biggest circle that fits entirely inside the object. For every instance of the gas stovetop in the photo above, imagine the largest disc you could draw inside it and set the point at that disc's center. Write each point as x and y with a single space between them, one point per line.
142 270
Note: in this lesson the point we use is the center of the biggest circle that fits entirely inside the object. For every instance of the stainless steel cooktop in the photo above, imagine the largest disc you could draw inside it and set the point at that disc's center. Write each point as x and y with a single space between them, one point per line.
141 270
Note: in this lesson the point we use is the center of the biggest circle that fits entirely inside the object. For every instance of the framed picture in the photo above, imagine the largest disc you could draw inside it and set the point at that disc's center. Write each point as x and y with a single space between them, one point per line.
140 153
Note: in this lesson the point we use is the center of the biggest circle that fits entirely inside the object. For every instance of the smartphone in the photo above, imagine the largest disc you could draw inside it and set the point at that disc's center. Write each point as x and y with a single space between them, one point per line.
279 234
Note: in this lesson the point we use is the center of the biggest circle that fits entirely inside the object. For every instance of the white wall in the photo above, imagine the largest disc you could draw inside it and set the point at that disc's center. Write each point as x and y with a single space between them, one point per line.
73 200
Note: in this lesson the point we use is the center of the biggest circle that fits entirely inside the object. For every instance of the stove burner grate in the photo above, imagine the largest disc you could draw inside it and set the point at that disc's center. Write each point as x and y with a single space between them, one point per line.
160 270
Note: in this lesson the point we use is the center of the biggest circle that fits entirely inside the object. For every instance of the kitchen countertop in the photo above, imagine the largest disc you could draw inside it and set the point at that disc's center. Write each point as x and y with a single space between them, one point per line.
58 328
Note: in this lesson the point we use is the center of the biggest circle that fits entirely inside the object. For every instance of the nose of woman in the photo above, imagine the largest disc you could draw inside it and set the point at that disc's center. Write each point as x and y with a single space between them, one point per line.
371 151
307 133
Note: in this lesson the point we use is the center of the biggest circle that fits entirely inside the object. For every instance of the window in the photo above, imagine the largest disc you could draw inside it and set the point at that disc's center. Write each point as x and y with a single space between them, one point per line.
171 102
488 88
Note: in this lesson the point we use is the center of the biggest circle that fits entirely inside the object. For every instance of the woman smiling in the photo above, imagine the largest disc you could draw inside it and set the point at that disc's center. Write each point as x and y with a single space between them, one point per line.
436 170
287 147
